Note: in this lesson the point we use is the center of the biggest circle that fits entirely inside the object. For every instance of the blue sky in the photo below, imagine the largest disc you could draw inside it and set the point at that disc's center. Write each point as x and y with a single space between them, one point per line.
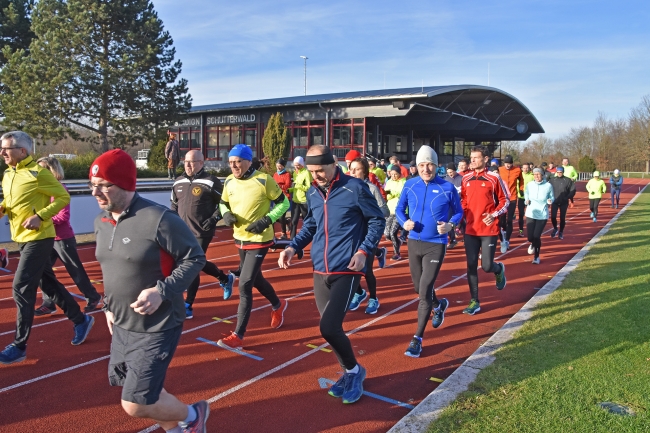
565 60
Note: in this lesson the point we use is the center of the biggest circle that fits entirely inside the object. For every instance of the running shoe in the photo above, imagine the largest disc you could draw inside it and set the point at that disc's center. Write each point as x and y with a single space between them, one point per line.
396 257
189 313
591 215
381 260
595 220
44 310
4 258
373 306
82 330
12 354
501 277
531 249
560 236
227 286
536 261
415 348
93 305
354 386
439 313
277 316
338 388
231 342
553 233
357 299
473 307
616 205
612 206
452 244
521 233
202 409
504 246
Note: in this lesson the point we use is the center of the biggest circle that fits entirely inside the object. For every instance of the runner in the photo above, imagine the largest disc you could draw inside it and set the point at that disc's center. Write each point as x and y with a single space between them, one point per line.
514 181
563 188
527 174
572 174
345 225
148 257
301 182
539 196
436 209
596 188
457 180
615 182
393 190
283 178
195 198
484 197
246 206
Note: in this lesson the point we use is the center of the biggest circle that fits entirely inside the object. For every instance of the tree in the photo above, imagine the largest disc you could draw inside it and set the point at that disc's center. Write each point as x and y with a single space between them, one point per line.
277 141
106 66
15 25
586 164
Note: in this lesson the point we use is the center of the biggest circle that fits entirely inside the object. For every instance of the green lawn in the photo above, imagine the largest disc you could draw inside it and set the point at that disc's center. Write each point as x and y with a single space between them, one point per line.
587 344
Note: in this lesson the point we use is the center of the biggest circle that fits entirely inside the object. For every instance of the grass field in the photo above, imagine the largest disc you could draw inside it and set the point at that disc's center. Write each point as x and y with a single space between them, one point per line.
588 343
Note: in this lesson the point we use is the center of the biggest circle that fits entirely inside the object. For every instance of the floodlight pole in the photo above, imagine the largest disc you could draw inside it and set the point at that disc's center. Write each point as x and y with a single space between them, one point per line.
305 59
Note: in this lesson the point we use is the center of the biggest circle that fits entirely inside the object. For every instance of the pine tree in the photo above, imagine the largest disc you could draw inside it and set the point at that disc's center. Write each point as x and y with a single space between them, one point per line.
15 25
277 140
104 66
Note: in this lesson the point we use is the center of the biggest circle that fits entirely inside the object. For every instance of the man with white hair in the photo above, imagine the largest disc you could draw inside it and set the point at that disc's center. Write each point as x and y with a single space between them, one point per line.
301 183
32 196
616 181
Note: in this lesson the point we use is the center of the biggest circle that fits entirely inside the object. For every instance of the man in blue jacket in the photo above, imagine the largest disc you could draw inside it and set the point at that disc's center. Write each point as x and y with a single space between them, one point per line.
424 208
345 225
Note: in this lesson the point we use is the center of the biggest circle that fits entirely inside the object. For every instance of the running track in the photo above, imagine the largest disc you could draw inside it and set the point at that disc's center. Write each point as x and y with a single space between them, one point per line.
276 387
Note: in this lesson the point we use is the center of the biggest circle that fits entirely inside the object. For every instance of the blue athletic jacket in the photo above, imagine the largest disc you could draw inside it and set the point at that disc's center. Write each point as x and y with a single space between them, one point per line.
427 203
347 221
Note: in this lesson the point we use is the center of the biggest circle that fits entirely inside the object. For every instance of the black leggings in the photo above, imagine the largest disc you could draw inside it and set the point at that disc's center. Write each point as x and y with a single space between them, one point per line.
486 245
521 206
298 209
535 228
333 293
425 260
371 280
510 218
392 227
554 208
209 268
251 276
593 206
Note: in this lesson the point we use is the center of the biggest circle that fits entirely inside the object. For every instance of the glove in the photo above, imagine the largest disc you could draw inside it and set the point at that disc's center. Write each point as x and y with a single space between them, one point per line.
229 219
259 226
209 224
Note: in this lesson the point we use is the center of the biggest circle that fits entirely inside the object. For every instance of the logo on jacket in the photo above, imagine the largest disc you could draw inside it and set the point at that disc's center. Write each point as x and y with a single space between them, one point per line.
126 241
196 190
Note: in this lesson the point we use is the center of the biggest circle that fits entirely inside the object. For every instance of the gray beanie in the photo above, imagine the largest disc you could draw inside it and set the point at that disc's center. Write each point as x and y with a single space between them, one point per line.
426 154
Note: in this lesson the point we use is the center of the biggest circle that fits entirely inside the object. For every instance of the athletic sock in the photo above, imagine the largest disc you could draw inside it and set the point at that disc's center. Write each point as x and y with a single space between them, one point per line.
191 416
176 429
355 370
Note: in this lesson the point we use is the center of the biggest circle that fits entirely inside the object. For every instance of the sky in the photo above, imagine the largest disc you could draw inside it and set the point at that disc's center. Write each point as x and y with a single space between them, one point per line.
567 61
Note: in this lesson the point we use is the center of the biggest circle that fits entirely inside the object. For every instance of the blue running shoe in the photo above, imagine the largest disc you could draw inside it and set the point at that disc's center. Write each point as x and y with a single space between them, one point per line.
82 330
354 386
189 313
202 409
338 388
381 260
227 286
473 308
415 348
373 306
12 354
439 314
357 299
595 220
591 215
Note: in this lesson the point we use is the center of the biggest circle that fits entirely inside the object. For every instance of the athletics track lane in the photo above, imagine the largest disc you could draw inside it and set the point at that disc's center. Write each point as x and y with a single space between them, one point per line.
289 399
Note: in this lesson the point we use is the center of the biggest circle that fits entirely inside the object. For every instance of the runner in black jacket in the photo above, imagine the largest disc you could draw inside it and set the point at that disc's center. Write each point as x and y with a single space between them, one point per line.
563 190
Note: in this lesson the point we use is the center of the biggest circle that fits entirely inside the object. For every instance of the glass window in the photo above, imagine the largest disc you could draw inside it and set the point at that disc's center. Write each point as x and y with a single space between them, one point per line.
358 135
195 141
358 120
251 138
237 135
341 135
184 140
448 148
224 142
369 150
398 144
299 151
213 142
317 122
342 121
316 136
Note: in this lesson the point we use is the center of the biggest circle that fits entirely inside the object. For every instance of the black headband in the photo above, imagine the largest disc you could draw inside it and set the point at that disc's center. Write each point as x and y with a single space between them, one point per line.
323 159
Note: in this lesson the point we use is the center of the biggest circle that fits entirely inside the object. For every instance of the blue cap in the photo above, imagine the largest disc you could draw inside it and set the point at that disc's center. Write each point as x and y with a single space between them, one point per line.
241 151
494 160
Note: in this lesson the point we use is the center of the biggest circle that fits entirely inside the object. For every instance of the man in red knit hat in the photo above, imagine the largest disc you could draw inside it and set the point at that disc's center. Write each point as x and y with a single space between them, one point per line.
148 257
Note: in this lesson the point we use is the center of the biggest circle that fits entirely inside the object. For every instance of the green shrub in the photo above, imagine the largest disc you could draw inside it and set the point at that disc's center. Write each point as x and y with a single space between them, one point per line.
79 167
586 164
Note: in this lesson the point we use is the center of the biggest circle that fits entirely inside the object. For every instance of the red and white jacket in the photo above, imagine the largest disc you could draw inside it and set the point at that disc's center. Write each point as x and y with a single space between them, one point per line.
481 193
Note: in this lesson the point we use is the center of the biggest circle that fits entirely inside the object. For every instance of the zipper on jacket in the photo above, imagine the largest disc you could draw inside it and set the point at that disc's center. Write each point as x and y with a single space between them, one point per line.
424 203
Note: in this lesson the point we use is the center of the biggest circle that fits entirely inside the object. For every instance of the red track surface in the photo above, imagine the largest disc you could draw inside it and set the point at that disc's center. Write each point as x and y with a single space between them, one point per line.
281 392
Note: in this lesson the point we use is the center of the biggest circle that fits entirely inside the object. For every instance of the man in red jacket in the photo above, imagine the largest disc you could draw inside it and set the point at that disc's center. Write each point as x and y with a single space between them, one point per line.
484 198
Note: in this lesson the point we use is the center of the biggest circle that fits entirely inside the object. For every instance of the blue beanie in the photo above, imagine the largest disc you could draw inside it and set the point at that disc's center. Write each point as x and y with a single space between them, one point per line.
241 151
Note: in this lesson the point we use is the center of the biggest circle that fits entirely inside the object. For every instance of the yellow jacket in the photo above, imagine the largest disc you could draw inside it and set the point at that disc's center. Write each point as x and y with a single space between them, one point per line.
27 190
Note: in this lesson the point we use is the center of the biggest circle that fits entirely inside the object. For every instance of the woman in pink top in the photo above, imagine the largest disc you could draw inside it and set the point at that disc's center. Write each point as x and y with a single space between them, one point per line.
65 249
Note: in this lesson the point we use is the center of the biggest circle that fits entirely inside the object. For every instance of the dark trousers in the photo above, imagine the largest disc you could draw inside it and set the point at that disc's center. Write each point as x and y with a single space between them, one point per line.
333 293
425 260
298 209
506 221
251 276
521 206
534 229
562 207
35 266
616 196
209 268
593 206
391 230
371 280
486 246
66 251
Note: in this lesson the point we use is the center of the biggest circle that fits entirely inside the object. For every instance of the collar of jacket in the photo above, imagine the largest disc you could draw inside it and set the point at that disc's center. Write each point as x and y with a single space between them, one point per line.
197 175
25 162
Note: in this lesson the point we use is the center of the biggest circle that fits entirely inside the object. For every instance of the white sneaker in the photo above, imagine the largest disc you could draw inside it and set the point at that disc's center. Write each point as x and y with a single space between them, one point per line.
531 249
504 246
536 261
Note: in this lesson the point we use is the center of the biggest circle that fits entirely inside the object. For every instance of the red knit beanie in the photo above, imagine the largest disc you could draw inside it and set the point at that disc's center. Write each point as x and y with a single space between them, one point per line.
117 167
352 155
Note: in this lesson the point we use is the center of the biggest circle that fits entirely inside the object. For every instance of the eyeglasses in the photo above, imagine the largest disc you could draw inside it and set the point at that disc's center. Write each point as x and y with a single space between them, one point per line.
4 149
102 188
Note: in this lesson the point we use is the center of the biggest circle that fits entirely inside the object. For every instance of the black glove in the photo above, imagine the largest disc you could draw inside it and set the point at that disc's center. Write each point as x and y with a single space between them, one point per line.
229 219
259 226
209 224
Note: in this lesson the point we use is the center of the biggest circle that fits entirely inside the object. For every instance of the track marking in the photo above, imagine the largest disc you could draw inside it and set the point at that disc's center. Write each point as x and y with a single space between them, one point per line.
221 320
325 383
435 379
313 346
237 351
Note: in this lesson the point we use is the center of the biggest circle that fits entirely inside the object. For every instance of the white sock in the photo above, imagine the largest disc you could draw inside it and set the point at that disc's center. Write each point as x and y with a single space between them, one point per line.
191 416
176 429
355 370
